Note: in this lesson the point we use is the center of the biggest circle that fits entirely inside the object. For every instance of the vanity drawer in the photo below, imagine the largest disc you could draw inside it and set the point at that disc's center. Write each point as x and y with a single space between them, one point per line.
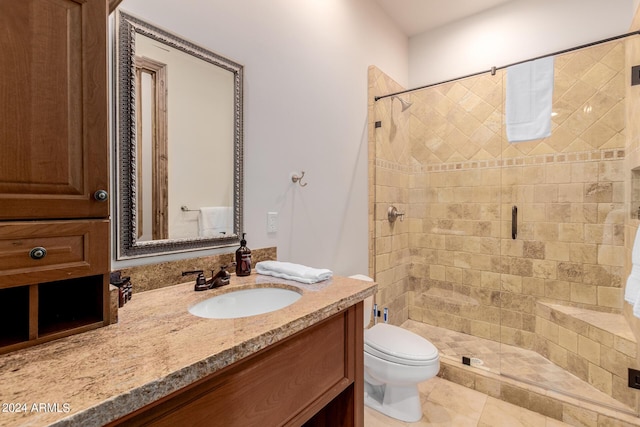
45 251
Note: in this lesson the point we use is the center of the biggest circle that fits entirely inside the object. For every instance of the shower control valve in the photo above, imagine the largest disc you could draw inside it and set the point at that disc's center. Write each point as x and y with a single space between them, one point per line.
393 213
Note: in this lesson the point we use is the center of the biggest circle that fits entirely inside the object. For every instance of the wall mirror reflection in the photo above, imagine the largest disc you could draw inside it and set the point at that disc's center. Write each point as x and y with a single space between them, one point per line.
179 160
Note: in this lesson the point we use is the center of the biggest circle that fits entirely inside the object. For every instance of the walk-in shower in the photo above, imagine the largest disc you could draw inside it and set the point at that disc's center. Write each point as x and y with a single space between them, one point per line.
537 311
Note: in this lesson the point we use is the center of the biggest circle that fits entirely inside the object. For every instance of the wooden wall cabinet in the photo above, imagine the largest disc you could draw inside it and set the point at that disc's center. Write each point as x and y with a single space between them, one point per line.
313 378
54 170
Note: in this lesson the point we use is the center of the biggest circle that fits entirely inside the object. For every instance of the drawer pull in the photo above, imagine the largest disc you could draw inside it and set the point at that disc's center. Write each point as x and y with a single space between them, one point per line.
101 195
38 253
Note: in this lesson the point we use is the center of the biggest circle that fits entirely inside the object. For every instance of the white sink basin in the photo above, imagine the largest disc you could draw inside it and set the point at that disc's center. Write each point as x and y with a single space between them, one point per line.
245 302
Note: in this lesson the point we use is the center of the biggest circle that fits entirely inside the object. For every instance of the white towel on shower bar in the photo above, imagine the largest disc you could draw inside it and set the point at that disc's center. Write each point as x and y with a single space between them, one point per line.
632 288
212 221
290 271
529 100
636 308
635 251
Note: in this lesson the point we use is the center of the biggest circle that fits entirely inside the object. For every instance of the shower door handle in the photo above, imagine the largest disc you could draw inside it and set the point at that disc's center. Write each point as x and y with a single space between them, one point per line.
514 222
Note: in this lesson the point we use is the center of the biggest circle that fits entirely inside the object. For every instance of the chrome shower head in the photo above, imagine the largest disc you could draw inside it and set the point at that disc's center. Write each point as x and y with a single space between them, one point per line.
405 104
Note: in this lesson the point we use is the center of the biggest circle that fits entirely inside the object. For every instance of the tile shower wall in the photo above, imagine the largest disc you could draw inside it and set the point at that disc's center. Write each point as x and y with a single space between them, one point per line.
467 273
390 172
446 163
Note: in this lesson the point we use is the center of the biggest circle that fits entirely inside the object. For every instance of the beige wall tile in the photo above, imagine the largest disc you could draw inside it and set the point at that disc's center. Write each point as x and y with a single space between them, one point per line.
625 346
558 355
548 330
577 416
600 378
533 285
568 339
610 297
585 294
547 193
558 289
589 349
546 231
583 253
611 255
557 174
571 193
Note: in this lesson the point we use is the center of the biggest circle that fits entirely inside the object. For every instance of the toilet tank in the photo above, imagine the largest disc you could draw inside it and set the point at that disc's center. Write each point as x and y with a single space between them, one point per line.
368 301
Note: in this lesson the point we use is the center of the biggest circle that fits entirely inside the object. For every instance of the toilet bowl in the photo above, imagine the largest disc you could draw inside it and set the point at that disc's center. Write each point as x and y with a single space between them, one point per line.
395 361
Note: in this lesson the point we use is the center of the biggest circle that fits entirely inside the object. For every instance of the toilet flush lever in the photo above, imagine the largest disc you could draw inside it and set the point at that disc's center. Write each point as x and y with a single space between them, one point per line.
393 213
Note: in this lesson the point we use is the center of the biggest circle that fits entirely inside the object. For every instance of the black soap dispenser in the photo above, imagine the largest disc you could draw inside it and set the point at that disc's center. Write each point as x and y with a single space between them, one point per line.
243 258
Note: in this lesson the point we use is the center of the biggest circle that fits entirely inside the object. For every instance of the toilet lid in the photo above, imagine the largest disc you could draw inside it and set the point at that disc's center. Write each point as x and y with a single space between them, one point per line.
398 345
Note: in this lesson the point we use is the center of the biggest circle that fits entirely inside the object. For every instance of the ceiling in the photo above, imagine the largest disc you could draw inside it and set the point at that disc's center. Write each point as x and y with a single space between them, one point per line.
417 16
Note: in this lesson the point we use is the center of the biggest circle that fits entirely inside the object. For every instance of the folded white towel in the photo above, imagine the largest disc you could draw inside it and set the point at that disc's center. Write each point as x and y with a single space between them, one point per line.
529 100
290 271
212 221
632 288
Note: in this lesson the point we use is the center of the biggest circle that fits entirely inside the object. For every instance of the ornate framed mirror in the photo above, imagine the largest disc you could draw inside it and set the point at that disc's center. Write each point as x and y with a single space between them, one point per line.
179 160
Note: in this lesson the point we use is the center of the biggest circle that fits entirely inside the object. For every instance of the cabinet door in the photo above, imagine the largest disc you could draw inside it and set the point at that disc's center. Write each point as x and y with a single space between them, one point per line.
53 109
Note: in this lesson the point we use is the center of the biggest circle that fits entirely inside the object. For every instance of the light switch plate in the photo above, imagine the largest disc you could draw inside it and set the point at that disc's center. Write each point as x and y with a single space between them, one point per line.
272 222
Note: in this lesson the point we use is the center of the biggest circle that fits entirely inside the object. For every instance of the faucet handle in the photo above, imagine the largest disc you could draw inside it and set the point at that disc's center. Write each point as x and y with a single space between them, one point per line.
184 273
223 272
201 281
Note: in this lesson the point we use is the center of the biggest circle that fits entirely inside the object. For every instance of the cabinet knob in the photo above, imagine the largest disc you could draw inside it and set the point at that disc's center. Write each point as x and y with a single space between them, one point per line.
101 195
38 253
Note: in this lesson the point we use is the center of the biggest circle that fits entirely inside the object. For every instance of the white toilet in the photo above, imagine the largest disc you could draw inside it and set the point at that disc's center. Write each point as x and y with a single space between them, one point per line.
395 361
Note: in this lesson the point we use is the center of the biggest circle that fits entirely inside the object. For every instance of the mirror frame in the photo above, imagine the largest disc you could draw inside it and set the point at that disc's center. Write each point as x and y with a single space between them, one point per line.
126 200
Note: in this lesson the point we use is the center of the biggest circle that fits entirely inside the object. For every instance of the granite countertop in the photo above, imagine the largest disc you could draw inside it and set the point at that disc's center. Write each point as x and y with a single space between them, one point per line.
156 348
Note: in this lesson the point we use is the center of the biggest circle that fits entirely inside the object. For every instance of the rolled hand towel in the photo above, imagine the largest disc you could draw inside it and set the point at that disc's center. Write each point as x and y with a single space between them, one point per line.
290 271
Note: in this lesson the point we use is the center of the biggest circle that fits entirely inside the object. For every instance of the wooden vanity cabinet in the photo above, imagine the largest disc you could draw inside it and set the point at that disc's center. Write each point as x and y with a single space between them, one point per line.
313 378
54 170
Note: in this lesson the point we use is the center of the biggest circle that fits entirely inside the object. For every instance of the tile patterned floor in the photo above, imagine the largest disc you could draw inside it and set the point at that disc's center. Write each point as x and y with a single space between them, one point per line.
447 404
511 361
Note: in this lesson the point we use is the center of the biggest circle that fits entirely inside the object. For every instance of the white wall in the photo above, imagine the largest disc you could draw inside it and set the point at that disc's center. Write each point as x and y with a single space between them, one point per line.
515 31
305 108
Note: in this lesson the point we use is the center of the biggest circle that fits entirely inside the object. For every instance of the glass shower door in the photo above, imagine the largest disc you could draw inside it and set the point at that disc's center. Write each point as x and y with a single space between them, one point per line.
563 268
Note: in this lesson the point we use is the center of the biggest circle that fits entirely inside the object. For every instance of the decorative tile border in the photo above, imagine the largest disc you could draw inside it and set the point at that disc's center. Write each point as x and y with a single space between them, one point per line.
393 166
584 156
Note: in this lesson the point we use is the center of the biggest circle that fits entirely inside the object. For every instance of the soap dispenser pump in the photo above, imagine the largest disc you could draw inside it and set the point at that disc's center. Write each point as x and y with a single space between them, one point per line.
243 258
